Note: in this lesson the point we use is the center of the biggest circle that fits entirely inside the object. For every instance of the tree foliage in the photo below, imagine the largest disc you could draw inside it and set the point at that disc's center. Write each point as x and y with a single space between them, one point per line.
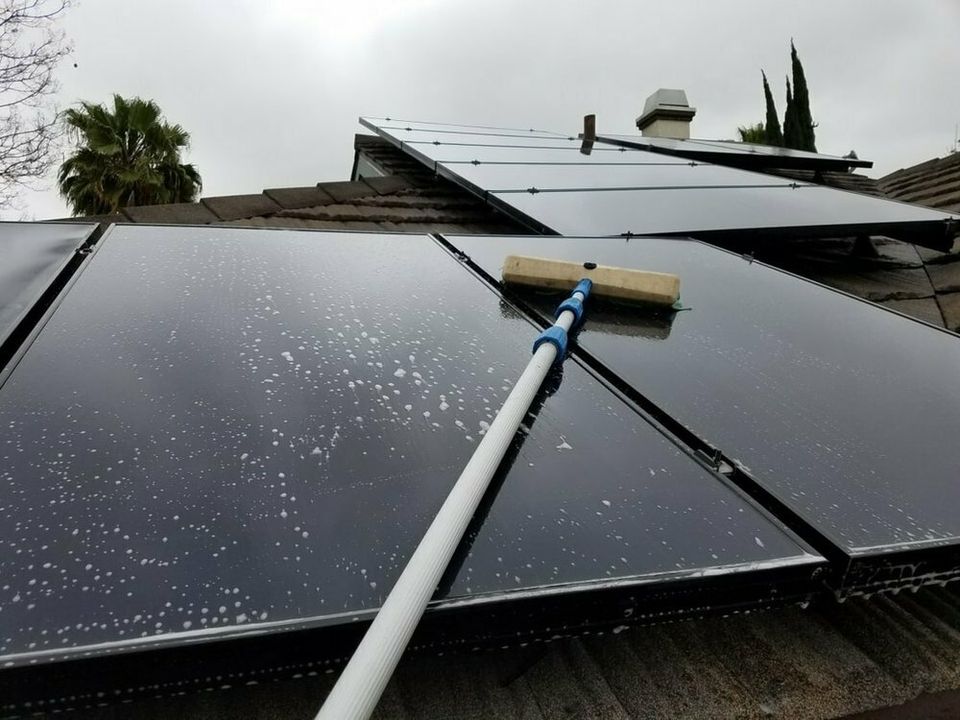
126 155
772 133
752 134
790 136
798 125
806 138
30 49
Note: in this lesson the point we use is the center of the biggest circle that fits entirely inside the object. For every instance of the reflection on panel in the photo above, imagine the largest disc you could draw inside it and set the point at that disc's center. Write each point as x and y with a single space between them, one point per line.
31 256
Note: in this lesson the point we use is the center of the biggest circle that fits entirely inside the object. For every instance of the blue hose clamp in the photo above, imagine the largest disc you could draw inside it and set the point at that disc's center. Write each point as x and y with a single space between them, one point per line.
584 287
574 304
557 337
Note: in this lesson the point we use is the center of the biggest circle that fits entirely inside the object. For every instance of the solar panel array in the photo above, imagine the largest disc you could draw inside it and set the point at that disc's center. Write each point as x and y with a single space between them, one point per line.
545 182
737 154
221 432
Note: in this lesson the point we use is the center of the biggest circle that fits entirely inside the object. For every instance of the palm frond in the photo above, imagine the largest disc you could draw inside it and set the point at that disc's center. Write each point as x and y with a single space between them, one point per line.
126 154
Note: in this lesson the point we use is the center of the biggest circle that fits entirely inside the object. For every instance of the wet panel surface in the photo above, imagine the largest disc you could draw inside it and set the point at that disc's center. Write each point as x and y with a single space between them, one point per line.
725 209
233 428
31 255
843 410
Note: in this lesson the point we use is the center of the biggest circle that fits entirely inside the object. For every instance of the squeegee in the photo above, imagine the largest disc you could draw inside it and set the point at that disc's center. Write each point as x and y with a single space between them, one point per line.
359 687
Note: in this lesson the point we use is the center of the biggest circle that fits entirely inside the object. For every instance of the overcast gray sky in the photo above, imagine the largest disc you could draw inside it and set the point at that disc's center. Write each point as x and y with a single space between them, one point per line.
270 91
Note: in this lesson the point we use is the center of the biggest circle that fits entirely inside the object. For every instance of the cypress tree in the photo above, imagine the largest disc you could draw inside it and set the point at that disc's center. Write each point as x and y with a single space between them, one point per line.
801 99
790 121
772 134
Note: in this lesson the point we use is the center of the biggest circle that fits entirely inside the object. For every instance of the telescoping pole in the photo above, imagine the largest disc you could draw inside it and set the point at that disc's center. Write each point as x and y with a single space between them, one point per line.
363 680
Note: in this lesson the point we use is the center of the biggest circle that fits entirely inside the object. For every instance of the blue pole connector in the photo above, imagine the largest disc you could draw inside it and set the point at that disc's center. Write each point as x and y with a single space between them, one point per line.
556 335
575 304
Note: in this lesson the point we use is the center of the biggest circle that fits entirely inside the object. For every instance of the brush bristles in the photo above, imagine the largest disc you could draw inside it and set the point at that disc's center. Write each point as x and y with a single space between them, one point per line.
612 282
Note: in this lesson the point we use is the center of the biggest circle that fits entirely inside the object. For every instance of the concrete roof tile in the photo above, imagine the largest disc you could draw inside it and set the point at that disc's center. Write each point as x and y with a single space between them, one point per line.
298 197
925 309
103 220
232 207
343 192
297 223
174 213
389 184
945 276
935 183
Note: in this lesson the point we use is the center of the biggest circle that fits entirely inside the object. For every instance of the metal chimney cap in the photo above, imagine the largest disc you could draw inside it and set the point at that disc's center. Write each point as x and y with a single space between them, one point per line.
666 103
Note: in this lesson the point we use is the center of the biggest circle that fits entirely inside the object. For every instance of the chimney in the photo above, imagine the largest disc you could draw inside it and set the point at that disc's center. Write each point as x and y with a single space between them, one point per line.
666 113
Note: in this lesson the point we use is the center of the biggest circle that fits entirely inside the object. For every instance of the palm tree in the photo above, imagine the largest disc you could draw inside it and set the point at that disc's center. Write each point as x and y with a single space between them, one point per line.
125 156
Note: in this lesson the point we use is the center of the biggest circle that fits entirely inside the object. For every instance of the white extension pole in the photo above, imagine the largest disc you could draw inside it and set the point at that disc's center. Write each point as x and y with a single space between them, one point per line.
360 685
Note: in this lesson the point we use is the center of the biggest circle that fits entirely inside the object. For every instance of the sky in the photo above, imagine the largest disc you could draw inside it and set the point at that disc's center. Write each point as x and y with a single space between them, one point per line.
270 91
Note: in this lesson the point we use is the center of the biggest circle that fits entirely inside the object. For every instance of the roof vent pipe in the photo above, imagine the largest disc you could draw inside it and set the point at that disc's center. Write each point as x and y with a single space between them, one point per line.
666 113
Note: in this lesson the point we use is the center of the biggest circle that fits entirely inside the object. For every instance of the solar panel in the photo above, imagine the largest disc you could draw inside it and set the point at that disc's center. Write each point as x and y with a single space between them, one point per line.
722 212
460 127
728 203
834 407
225 432
534 178
399 137
412 134
447 154
738 154
33 255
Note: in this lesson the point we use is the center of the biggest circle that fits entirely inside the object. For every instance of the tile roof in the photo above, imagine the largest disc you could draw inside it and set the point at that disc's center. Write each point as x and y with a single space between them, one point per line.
934 183
412 201
826 661
802 664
